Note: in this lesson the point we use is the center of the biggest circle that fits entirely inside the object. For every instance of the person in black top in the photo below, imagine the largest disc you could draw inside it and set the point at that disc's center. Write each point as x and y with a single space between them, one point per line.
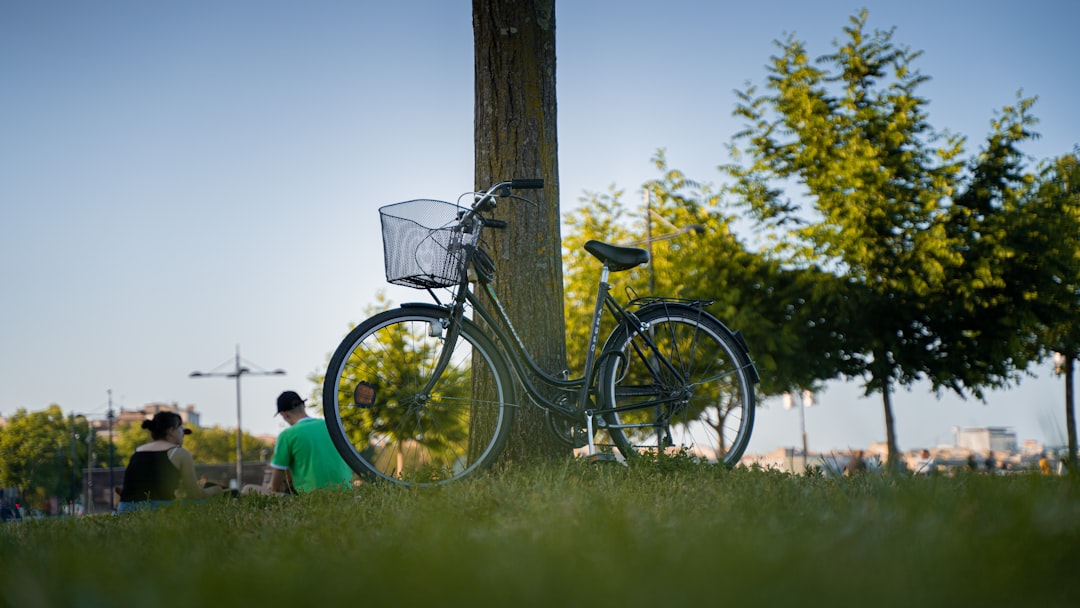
8 512
161 471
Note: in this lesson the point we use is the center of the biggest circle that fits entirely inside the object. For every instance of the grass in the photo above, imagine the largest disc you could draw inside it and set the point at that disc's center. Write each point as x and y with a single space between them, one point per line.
655 534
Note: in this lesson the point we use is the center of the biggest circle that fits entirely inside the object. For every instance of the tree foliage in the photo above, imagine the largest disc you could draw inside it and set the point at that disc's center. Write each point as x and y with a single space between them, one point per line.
36 450
793 318
43 453
1055 205
599 216
208 445
985 315
839 153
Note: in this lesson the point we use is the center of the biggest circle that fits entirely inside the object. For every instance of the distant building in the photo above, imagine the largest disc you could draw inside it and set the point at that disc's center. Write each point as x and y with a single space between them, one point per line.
988 439
186 413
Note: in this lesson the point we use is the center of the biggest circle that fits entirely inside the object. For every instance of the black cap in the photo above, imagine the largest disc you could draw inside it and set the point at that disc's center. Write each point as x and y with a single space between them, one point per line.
287 401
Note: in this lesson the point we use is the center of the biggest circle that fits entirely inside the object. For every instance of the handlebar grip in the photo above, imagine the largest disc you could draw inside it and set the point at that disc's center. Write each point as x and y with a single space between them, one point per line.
527 184
494 223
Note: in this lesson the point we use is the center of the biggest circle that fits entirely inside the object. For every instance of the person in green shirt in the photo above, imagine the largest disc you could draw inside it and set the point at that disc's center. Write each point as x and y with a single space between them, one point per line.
305 458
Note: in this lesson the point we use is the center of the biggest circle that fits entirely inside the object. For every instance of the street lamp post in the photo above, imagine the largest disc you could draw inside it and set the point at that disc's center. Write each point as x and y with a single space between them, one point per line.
72 490
112 485
89 500
237 372
807 401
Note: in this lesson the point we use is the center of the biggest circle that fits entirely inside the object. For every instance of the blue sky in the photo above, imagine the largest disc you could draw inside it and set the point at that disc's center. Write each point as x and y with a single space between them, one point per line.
179 178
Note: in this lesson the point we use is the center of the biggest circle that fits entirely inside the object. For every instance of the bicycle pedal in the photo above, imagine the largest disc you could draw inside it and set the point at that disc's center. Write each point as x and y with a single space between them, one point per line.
602 457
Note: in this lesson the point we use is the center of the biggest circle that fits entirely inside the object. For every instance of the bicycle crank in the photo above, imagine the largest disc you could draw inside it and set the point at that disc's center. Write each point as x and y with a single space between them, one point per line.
573 435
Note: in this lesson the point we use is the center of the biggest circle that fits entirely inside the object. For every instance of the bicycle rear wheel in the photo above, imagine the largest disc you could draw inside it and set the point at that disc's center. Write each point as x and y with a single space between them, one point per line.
703 404
383 423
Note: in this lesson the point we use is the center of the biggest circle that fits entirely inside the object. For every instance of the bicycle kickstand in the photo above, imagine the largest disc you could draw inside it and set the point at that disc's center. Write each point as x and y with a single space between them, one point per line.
593 455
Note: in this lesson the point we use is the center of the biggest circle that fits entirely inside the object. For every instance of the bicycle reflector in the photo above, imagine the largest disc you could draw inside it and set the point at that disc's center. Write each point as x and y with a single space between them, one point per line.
364 394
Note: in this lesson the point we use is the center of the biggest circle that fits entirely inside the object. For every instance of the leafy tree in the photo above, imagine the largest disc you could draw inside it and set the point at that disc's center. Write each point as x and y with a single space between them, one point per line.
208 445
1055 205
854 142
600 216
778 307
695 255
317 379
986 313
36 450
397 362
397 366
216 444
516 137
126 437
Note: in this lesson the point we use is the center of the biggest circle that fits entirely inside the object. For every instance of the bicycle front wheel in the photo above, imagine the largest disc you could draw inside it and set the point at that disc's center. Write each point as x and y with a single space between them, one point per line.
683 385
383 422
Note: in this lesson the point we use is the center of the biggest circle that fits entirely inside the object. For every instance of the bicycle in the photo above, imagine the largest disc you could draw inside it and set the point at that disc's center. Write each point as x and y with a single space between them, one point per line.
424 394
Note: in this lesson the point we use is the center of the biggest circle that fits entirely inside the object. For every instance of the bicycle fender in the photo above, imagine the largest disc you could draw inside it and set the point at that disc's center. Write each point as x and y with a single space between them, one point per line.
441 309
421 305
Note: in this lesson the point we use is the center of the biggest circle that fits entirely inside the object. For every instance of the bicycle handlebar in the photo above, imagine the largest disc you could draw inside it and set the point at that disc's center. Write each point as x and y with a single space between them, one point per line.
527 184
486 200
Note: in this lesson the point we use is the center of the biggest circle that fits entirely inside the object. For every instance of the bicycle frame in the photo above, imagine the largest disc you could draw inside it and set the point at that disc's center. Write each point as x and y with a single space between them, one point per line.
526 367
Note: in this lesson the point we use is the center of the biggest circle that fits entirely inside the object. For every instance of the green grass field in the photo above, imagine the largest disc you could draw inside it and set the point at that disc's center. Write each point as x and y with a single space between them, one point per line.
565 534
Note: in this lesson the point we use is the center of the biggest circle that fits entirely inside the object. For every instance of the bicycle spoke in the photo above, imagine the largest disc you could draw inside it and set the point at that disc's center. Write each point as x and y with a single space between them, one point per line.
683 388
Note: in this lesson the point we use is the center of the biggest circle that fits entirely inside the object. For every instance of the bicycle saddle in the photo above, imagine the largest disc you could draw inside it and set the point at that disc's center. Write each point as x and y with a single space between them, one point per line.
617 258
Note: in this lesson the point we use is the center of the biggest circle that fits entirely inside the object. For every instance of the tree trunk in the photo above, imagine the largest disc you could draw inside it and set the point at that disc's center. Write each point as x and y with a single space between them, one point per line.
892 461
1070 415
515 137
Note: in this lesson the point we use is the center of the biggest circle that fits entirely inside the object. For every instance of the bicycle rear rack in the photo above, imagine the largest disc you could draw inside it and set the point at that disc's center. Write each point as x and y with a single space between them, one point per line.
642 301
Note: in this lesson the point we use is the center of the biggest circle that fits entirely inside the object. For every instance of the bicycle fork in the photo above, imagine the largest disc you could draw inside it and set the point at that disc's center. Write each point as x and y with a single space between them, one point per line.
449 334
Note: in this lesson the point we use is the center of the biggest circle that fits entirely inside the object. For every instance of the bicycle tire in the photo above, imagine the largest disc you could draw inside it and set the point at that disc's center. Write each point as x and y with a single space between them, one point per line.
403 436
719 380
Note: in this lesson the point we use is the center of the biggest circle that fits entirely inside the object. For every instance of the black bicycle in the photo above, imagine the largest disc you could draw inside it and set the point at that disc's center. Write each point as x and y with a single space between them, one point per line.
425 394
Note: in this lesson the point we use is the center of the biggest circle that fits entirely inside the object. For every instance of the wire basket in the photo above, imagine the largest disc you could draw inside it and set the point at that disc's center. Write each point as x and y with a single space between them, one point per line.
423 243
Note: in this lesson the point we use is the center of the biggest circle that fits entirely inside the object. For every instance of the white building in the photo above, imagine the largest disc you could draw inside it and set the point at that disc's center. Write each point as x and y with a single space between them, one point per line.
989 439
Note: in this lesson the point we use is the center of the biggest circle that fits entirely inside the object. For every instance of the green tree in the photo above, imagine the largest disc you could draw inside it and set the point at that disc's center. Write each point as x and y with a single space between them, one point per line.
317 379
777 306
208 445
1055 205
398 359
397 362
126 437
855 143
696 255
986 314
216 444
599 216
36 450
516 137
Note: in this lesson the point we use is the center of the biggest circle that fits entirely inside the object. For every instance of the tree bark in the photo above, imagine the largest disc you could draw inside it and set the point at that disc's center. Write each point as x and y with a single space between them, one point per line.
1070 415
892 460
516 137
